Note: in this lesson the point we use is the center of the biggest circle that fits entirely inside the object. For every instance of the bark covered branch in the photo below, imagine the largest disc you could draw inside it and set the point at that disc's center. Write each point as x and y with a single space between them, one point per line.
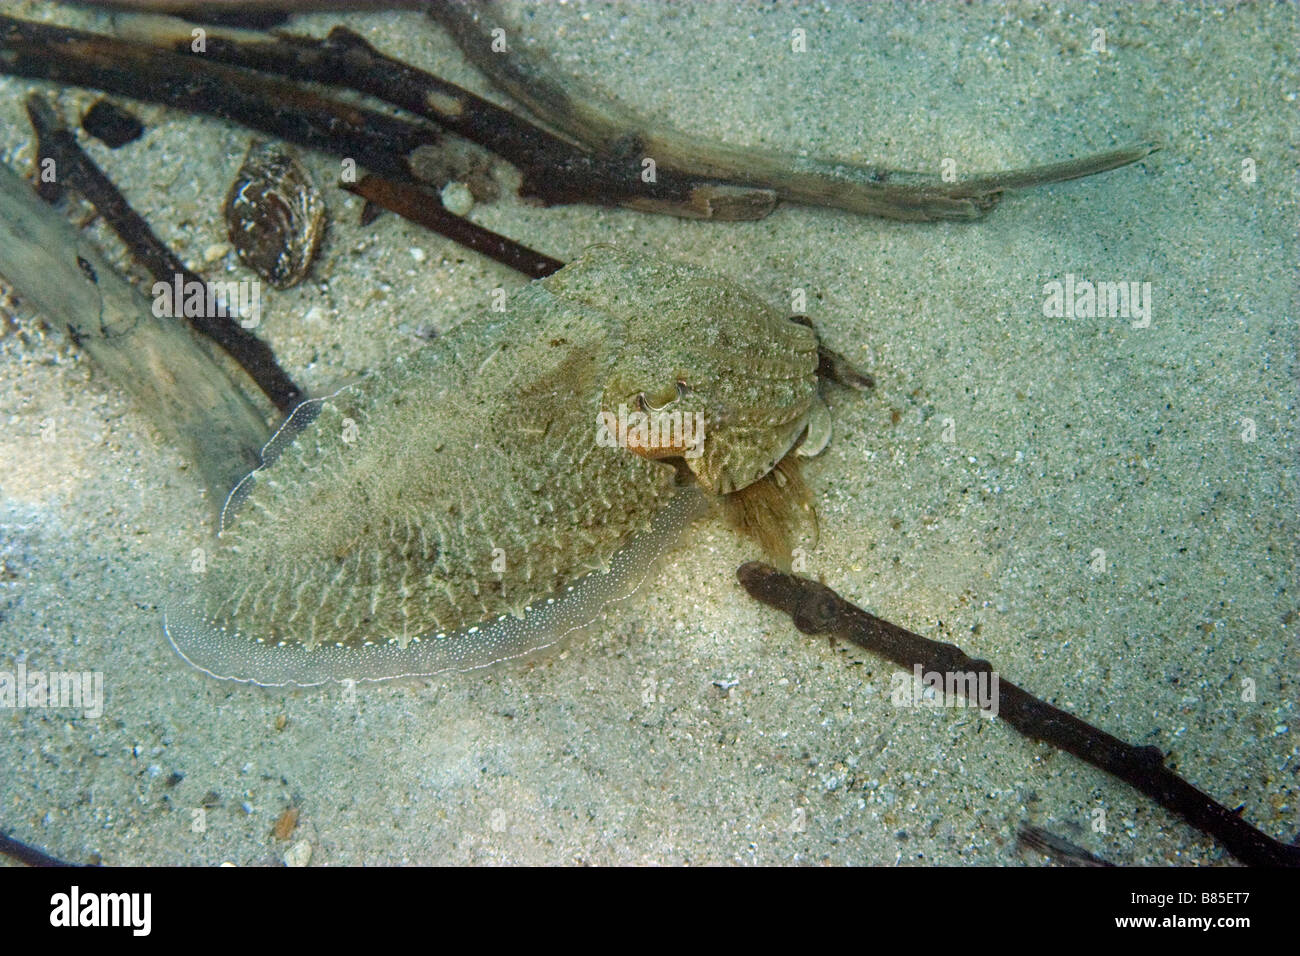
816 609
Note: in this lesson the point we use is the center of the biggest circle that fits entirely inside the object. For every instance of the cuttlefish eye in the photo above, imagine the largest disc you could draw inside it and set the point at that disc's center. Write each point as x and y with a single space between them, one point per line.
663 398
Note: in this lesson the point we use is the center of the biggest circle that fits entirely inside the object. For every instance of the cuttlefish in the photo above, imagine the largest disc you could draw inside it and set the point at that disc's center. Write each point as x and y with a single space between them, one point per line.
498 489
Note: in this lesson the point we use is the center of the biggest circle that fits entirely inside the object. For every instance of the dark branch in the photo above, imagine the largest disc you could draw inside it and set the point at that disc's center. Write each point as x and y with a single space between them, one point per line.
608 127
77 170
603 161
427 210
32 856
554 171
378 142
816 609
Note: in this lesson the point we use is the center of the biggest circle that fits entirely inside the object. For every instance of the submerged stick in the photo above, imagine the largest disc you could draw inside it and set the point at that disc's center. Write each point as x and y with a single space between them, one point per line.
1059 848
158 361
610 128
28 854
426 210
816 609
601 160
379 142
601 154
553 170
77 170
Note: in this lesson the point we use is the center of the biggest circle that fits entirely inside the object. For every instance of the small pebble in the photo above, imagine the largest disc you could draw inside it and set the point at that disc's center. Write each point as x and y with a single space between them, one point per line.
298 855
216 251
417 253
111 124
457 199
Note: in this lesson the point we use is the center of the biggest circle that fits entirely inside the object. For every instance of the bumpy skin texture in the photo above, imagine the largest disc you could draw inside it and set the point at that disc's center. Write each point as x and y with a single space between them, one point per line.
381 520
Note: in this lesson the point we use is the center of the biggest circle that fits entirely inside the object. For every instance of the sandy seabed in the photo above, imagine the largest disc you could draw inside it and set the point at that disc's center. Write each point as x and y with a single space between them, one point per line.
968 497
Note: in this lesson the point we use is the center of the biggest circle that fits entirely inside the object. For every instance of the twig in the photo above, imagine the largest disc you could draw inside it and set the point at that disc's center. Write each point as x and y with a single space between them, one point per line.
76 169
816 609
427 210
379 142
1059 848
695 177
32 856
603 158
221 8
553 170
610 128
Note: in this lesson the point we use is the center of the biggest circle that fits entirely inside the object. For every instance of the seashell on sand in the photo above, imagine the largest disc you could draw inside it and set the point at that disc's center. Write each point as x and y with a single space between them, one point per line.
275 216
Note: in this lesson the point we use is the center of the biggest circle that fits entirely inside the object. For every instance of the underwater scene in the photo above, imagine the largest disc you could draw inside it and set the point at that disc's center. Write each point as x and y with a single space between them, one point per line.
625 433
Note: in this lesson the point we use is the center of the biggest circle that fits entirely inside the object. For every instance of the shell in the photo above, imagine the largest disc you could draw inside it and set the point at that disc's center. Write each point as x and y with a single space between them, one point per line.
463 505
275 216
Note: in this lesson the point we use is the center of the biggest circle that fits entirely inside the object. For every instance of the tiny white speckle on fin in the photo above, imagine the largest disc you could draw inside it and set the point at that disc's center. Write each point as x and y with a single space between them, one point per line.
220 654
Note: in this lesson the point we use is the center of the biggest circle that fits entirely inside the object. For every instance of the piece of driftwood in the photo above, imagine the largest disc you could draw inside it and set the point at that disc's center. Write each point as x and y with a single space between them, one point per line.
28 854
816 609
182 391
377 141
260 9
553 170
111 124
602 153
1058 848
610 128
228 79
78 171
414 204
